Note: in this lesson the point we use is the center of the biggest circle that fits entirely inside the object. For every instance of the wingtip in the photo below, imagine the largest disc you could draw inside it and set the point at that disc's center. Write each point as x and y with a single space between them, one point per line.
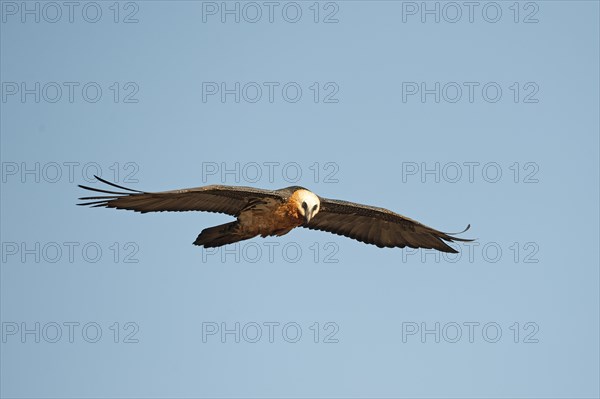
460 232
466 228
452 236
116 185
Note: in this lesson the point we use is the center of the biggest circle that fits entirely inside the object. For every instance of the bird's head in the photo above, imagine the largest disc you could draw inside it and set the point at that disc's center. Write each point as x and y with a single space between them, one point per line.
308 204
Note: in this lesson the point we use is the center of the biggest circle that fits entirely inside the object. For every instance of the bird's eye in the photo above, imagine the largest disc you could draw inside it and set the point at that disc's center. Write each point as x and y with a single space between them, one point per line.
304 206
315 208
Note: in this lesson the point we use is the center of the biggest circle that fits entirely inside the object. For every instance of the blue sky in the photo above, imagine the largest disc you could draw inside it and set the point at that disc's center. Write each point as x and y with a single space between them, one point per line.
487 117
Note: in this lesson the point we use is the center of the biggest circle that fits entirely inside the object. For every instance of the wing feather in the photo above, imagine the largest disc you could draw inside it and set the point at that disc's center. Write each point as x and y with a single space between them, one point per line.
220 199
378 226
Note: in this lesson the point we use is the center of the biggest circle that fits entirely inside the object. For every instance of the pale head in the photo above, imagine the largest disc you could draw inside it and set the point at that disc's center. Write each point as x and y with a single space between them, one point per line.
308 203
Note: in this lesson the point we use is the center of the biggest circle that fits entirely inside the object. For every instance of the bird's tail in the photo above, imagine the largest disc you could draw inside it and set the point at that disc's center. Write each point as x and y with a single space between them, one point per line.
223 234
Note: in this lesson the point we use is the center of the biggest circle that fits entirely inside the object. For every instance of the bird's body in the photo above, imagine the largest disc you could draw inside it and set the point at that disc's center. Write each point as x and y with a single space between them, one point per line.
266 217
276 212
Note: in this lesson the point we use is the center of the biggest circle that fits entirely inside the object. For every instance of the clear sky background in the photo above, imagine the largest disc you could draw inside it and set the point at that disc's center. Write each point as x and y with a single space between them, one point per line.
511 147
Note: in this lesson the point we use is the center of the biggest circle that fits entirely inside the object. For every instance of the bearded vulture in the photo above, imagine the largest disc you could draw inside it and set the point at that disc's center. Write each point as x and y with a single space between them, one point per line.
275 213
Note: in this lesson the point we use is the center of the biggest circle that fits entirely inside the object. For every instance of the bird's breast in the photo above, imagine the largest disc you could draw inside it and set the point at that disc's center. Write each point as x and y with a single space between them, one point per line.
271 218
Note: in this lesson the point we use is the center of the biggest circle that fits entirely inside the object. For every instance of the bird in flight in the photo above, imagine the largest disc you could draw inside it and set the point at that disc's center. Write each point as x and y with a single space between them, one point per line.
275 212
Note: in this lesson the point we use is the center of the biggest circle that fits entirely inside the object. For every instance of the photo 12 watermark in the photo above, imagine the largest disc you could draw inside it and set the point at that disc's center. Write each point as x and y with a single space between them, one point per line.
270 332
270 12
29 252
471 92
69 92
256 172
470 332
273 252
477 252
70 332
517 172
69 12
270 92
28 172
470 12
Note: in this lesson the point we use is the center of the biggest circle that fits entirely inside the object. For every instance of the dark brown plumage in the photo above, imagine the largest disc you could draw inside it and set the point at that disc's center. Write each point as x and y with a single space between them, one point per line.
276 212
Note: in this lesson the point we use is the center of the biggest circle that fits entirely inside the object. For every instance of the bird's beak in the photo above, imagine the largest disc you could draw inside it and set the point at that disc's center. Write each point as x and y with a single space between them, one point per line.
308 216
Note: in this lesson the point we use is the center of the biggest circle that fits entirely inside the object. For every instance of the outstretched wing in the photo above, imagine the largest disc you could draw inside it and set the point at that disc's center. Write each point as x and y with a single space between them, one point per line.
378 226
219 199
